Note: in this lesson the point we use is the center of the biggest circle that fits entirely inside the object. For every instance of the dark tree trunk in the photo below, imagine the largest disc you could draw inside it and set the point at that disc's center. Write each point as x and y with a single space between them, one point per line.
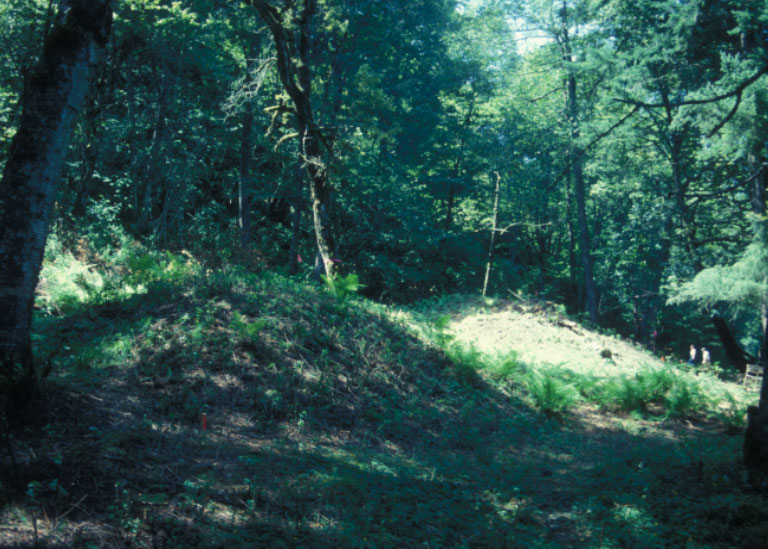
51 104
736 355
152 171
89 154
573 284
577 172
456 170
584 244
449 207
756 437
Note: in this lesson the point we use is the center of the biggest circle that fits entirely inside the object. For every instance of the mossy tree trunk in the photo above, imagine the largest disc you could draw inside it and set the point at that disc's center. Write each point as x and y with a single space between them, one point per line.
52 100
291 29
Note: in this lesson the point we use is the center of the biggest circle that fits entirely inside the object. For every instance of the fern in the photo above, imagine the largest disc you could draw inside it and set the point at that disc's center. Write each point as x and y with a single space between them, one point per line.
551 395
343 287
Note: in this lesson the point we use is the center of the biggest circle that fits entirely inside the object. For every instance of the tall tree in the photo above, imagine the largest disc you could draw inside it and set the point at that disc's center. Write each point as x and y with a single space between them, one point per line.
52 99
291 27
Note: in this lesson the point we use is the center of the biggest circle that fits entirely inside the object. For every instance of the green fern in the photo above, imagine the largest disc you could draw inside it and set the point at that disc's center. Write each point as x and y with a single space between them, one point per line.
551 395
343 287
246 330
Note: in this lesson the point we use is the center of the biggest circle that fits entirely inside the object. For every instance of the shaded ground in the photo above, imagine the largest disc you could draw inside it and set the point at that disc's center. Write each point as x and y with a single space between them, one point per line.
332 425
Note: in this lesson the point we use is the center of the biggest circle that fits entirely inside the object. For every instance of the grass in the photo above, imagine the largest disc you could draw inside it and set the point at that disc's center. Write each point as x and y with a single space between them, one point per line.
343 423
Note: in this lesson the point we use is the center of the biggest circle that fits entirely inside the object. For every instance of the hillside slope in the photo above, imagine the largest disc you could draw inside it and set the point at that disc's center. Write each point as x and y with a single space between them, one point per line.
539 334
226 409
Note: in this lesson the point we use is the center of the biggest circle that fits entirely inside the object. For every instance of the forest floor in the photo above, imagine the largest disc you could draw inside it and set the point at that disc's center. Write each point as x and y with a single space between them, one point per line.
539 334
237 410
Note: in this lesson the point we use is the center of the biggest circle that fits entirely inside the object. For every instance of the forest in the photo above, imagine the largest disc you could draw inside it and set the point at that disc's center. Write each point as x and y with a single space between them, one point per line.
383 273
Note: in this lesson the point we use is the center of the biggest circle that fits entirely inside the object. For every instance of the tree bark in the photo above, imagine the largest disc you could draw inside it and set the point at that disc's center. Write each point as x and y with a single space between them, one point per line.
736 355
290 28
579 186
297 208
51 104
153 171
756 437
492 244
246 152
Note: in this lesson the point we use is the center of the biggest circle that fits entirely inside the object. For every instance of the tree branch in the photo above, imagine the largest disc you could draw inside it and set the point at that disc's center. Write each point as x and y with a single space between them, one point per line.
736 92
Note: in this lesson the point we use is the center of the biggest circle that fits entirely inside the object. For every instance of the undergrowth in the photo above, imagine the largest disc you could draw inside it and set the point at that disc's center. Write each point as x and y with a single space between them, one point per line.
199 406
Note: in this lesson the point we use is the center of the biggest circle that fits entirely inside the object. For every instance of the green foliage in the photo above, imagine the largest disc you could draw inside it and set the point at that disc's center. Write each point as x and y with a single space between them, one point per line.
550 394
506 368
343 287
685 398
647 387
65 283
245 329
466 362
742 284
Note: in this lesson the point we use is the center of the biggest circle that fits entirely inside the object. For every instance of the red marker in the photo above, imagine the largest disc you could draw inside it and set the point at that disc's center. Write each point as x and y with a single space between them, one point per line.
205 422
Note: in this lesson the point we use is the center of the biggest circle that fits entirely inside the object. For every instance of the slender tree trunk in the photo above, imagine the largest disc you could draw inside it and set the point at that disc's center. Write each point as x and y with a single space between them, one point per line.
492 243
293 66
572 263
576 160
246 151
579 190
89 154
297 209
584 244
51 104
151 169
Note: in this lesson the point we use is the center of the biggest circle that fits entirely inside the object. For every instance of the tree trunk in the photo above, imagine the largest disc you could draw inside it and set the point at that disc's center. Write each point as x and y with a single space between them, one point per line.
584 244
152 170
243 191
457 167
573 284
579 190
246 153
293 67
492 243
89 154
736 355
756 437
51 104
297 208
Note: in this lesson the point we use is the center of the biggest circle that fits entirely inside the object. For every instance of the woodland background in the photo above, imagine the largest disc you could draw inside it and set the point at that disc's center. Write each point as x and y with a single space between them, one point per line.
620 177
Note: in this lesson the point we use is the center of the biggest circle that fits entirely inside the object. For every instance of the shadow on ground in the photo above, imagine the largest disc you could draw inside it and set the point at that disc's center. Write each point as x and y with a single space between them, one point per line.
332 425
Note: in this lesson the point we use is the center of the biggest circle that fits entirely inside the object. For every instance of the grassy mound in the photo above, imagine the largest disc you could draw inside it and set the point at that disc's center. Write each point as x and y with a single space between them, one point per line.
190 407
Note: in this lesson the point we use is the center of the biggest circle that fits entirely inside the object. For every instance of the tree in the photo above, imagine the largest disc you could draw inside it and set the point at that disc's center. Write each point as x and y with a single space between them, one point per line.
52 99
291 29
